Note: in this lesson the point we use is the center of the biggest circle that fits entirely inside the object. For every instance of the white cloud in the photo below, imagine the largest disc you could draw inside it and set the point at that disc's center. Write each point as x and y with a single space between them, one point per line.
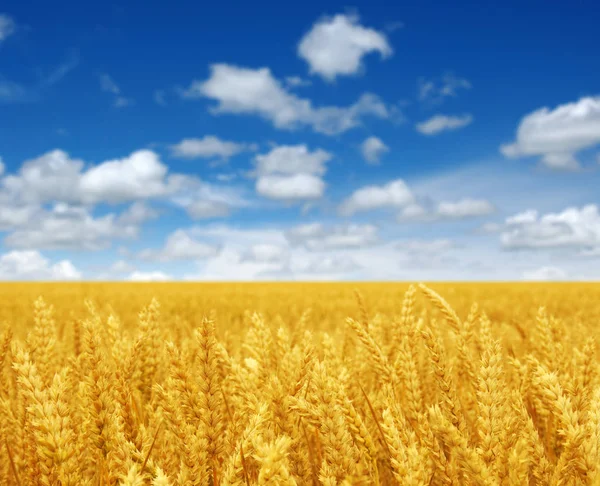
336 46
319 237
557 135
526 217
442 123
204 201
208 147
54 176
428 247
297 187
372 149
31 265
465 208
545 274
292 159
266 253
7 27
291 173
137 213
577 228
180 246
139 176
435 92
240 90
208 209
69 227
394 194
154 276
330 265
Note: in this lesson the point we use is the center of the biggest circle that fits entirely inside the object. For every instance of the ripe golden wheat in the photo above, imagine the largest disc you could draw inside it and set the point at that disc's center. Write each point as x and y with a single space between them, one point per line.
300 385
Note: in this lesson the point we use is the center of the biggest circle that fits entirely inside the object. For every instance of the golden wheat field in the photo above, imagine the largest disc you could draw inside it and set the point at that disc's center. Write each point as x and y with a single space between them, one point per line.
299 384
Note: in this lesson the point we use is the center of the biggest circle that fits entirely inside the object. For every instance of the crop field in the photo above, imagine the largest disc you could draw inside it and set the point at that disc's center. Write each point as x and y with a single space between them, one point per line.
299 384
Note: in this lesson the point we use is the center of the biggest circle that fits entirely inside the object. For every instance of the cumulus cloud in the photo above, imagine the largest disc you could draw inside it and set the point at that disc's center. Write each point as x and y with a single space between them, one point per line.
443 123
545 274
180 246
292 159
31 265
372 149
576 228
297 187
291 173
54 176
320 237
240 90
446 210
71 228
336 46
395 194
465 208
557 135
208 147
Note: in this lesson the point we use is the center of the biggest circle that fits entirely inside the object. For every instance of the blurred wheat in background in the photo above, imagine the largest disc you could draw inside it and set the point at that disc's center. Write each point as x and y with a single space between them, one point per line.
303 384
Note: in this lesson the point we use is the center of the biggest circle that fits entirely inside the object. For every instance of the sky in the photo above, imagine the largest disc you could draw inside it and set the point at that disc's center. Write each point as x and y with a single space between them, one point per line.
299 141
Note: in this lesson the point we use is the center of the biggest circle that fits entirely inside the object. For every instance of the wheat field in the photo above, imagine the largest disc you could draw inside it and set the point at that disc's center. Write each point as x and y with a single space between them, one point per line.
299 384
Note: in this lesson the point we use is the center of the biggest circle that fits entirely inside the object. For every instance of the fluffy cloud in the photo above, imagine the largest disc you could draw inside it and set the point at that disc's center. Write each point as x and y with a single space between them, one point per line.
372 149
31 265
208 147
545 274
7 27
336 46
240 90
293 159
297 187
70 227
139 176
394 194
291 173
54 176
577 228
446 210
442 123
465 208
557 135
180 246
319 237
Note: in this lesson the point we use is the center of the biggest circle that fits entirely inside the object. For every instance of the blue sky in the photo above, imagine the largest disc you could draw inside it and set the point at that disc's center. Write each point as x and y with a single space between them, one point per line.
436 140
